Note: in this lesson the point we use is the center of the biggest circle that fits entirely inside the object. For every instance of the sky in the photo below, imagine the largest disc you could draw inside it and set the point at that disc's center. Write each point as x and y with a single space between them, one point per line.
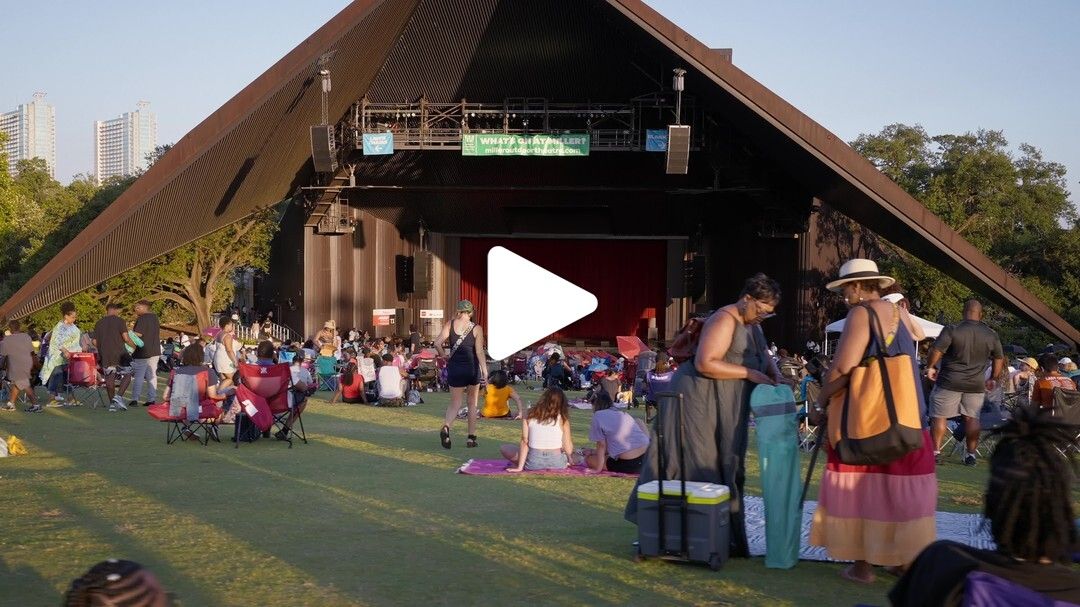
853 66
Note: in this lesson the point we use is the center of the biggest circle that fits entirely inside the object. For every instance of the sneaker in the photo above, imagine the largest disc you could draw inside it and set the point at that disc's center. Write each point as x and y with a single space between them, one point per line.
112 408
8 407
118 402
34 409
148 403
969 459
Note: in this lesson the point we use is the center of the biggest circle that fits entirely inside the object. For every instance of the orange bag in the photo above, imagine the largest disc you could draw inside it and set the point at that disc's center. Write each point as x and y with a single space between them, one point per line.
876 419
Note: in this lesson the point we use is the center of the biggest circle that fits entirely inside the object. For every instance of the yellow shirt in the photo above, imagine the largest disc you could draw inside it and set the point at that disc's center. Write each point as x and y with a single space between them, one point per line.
496 401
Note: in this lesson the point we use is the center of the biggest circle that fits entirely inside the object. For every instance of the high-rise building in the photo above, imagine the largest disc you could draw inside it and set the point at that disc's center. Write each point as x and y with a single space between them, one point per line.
121 145
31 133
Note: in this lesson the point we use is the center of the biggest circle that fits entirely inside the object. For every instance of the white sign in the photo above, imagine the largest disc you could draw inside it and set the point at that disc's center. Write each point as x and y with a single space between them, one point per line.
431 313
384 312
517 316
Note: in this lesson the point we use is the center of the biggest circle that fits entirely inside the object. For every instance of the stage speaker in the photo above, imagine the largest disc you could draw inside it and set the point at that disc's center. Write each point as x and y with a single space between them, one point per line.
323 155
403 273
422 273
697 276
678 149
400 327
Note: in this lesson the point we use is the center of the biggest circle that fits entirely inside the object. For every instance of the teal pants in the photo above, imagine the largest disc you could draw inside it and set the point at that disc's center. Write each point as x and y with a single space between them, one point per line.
777 431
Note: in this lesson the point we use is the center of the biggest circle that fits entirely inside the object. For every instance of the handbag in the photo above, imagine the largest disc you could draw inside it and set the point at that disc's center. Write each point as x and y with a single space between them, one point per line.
876 419
684 346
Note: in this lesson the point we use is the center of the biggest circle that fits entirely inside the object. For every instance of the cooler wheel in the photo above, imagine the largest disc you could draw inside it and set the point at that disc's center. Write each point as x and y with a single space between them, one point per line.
714 562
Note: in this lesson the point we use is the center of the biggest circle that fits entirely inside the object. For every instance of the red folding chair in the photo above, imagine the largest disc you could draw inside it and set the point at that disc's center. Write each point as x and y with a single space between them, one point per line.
83 374
178 426
273 382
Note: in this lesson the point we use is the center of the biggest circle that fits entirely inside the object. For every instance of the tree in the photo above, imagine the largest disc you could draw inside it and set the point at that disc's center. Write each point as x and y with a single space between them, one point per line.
1015 208
198 278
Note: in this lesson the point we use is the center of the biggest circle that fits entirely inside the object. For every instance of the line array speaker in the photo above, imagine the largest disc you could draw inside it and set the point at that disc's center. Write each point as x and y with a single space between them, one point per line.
422 273
403 273
678 149
323 155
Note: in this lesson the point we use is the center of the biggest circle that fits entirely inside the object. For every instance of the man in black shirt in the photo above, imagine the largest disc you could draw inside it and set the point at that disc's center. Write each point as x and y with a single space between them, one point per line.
110 336
414 340
144 359
963 349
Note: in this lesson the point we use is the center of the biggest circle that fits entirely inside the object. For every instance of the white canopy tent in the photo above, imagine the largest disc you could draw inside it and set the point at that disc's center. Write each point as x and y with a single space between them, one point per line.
931 329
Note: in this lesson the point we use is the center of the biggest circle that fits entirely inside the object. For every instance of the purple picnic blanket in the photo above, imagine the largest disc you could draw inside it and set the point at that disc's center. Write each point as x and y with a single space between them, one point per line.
497 467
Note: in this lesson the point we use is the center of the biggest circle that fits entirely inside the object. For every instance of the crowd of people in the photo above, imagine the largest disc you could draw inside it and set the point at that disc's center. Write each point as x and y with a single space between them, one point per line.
871 515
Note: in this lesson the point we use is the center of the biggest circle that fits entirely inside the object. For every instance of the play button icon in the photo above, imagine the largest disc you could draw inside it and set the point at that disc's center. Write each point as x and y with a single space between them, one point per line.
526 303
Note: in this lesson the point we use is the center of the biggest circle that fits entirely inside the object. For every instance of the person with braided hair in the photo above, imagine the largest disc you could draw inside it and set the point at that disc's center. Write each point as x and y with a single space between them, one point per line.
1029 509
118 583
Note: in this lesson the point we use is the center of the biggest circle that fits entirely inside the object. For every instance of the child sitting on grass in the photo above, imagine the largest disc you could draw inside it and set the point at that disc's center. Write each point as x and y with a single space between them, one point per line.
546 443
498 396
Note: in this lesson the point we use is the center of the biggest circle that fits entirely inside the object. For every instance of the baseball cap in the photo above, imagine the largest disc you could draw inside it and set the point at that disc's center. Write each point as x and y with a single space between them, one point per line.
1065 361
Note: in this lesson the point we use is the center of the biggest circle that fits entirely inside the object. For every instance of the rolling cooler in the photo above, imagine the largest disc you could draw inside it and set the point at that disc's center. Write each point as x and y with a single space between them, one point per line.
682 520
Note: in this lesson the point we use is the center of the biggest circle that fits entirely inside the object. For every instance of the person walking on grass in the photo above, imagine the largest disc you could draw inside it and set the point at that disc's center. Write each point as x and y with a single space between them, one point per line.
144 360
466 364
963 350
110 335
17 351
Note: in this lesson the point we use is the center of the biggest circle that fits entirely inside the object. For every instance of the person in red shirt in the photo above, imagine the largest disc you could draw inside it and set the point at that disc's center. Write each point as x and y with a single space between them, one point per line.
350 386
1049 378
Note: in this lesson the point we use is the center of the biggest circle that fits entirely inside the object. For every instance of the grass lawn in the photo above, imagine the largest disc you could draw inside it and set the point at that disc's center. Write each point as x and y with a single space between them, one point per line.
370 512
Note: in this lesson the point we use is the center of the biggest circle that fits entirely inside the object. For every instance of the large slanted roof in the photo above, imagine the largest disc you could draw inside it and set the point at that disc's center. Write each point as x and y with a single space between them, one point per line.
253 151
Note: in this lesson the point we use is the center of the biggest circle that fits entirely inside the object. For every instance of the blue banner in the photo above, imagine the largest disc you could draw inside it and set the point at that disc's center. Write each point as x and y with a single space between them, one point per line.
377 144
656 140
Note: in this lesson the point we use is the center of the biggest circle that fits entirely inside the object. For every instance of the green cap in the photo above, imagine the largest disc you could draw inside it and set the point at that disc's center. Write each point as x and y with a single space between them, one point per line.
465 306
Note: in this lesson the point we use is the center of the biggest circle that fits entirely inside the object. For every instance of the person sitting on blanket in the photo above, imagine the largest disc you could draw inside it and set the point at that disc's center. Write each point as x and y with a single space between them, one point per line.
498 396
1029 507
621 440
391 378
546 443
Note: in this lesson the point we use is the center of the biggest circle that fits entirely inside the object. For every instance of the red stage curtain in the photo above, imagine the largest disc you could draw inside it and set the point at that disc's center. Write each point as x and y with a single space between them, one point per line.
628 278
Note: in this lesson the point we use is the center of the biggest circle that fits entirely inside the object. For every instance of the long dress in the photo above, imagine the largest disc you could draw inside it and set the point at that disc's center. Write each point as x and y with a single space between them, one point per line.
880 514
715 415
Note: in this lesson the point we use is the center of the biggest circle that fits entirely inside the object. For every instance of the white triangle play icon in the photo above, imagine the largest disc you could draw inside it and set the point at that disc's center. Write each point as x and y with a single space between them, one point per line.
527 303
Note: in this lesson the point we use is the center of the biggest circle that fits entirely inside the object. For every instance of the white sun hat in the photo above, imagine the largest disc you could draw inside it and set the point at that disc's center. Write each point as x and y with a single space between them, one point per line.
859 269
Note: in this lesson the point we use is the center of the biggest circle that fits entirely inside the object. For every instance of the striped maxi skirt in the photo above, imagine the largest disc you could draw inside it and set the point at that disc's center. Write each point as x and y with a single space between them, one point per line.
880 514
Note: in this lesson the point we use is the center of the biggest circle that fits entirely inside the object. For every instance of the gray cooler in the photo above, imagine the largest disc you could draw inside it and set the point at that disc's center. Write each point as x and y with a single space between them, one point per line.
708 514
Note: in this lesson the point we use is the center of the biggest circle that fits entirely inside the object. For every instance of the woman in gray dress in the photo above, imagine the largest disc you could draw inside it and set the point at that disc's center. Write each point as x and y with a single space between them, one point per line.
731 359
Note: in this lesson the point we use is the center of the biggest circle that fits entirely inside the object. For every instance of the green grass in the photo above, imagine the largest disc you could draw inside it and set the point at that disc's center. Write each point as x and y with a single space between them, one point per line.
370 512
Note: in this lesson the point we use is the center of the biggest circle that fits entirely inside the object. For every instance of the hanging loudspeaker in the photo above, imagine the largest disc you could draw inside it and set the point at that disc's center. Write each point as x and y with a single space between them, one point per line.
678 149
322 148
422 271
403 265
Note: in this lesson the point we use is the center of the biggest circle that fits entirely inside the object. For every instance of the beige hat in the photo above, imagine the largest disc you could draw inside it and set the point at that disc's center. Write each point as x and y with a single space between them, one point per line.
330 325
859 269
1031 362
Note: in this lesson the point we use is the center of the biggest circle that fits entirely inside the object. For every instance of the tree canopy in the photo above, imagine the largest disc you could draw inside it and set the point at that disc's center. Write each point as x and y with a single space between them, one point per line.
38 217
1013 206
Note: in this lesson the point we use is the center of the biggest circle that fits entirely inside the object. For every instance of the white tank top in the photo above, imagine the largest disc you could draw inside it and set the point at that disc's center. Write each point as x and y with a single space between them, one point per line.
545 435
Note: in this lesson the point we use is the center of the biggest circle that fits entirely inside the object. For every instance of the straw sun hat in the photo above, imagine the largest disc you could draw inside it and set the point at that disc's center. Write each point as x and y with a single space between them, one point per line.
859 269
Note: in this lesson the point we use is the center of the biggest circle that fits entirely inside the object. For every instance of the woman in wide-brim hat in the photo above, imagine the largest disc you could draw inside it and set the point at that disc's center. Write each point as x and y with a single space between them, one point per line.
873 515
467 363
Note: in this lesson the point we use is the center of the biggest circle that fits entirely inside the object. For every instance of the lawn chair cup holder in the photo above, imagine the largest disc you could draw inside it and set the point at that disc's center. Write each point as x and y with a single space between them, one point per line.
677 519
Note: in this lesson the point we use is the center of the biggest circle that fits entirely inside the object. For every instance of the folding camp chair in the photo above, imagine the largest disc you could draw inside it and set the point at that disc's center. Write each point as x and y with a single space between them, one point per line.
1067 409
178 426
273 382
82 373
326 373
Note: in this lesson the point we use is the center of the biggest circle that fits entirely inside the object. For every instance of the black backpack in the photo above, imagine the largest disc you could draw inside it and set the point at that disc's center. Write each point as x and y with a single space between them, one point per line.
246 430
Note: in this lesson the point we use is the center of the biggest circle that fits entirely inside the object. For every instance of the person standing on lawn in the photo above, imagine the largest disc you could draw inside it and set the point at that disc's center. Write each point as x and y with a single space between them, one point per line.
144 359
17 351
466 364
963 350
110 335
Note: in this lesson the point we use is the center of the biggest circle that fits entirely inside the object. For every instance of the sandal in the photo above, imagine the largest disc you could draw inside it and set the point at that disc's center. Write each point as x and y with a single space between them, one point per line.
849 576
444 437
471 442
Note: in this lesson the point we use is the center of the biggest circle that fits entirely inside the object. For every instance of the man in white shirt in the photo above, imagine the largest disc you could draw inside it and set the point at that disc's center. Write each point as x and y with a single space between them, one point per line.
390 383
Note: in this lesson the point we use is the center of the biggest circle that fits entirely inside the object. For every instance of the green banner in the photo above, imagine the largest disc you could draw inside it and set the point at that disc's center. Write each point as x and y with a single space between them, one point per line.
499 144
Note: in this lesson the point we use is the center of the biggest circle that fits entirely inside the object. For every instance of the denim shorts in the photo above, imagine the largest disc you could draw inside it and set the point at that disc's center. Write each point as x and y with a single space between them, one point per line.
546 459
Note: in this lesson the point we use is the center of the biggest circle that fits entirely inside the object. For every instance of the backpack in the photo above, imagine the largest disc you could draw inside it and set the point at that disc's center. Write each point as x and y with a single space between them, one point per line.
246 430
413 398
684 346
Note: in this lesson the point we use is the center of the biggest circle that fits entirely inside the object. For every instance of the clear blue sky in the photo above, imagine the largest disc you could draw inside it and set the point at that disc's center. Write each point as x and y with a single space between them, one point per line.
852 66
